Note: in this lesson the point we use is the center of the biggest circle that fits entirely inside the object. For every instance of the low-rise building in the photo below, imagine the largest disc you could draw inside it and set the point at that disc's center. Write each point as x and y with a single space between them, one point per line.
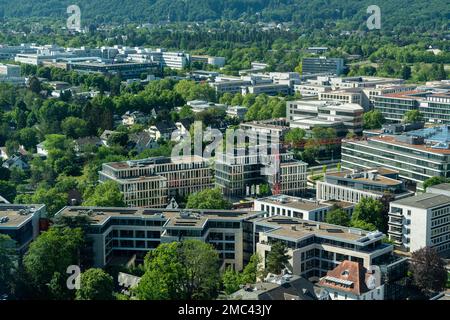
352 281
162 130
352 186
316 247
271 89
288 206
21 223
307 114
280 287
128 232
237 112
135 117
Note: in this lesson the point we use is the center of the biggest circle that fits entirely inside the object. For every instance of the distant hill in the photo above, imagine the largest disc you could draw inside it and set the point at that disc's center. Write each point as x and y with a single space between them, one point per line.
432 14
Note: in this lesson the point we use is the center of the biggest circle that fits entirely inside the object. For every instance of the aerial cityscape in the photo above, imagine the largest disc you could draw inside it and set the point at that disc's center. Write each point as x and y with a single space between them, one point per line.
224 150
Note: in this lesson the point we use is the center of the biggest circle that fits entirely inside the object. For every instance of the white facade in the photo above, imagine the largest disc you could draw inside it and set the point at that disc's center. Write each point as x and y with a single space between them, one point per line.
292 207
421 221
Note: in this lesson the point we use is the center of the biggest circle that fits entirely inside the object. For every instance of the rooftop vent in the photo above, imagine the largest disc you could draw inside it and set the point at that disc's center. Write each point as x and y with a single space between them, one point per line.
4 219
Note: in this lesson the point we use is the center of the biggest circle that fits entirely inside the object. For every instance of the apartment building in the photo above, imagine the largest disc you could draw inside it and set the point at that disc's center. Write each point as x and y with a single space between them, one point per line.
288 206
316 247
121 233
152 182
21 223
352 186
417 155
421 221
322 65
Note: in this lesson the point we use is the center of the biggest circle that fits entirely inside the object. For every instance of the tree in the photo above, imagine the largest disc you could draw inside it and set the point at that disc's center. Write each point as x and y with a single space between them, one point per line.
180 270
412 116
373 120
294 136
7 190
338 217
434 181
208 199
118 138
277 258
406 72
105 194
370 211
52 252
74 127
34 85
7 259
264 190
252 270
360 224
231 280
428 270
28 138
95 284
53 199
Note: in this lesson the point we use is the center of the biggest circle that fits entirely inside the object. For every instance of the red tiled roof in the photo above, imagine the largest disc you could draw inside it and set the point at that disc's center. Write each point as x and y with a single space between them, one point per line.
351 273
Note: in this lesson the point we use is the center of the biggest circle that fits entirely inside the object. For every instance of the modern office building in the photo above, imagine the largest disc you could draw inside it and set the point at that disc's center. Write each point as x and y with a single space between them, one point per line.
21 223
352 186
421 221
271 89
322 65
435 108
10 73
230 85
307 114
417 155
127 70
214 61
288 206
393 106
315 247
239 176
354 95
152 182
119 234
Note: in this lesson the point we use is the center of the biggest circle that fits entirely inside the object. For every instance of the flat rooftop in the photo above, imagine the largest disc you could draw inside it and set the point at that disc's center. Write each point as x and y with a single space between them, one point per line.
376 178
441 186
293 202
17 214
425 201
172 217
297 229
432 134
420 147
142 163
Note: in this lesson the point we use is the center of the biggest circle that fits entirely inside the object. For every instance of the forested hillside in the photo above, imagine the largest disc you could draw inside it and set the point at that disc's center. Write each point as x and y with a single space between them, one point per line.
404 14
